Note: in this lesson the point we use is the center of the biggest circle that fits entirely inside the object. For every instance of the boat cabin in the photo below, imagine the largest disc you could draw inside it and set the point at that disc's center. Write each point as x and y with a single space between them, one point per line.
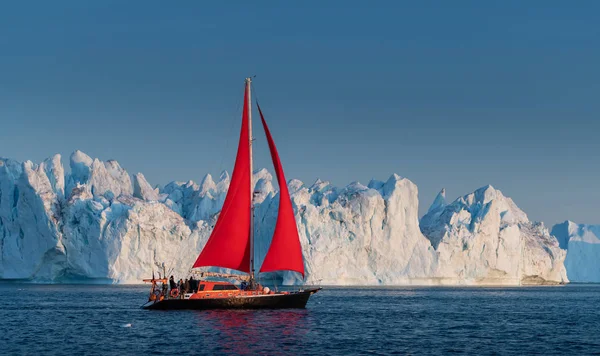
214 289
206 289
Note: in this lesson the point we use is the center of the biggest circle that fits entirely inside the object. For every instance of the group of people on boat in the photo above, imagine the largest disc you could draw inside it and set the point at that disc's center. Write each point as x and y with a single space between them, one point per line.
181 287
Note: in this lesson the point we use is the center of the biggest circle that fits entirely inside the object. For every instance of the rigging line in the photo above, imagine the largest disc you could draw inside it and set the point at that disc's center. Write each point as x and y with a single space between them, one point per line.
182 247
262 209
177 257
222 158
223 152
254 92
229 134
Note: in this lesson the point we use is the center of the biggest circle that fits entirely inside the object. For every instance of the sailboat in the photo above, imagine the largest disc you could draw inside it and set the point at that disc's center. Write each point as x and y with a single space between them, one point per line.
231 243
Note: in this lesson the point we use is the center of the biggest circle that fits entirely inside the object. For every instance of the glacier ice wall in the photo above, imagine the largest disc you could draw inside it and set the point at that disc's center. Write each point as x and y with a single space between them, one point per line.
583 250
484 237
96 222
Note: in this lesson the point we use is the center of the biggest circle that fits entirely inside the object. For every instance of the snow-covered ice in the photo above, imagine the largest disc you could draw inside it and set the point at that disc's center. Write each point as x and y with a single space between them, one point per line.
98 222
583 245
484 238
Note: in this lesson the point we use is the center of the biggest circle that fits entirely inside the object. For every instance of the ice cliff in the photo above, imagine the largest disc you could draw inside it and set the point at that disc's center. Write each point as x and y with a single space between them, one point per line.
96 222
484 237
583 245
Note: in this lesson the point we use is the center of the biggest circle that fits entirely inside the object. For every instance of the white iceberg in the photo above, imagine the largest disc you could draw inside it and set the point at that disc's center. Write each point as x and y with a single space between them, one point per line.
583 250
97 223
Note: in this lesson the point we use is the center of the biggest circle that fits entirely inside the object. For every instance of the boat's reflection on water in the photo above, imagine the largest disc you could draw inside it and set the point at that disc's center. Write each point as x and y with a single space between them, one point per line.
252 331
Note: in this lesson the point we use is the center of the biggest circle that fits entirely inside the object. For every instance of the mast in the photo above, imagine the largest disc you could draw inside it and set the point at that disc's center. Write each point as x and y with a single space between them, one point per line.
248 90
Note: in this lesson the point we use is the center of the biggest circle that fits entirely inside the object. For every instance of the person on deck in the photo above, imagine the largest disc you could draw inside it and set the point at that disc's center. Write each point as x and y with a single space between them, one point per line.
172 283
165 290
193 286
186 286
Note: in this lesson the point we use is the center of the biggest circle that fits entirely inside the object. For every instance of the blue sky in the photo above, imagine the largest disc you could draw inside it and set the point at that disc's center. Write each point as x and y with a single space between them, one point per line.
448 94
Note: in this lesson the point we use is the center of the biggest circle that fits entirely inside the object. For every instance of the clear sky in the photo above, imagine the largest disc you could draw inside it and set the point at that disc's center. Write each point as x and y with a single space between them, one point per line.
454 94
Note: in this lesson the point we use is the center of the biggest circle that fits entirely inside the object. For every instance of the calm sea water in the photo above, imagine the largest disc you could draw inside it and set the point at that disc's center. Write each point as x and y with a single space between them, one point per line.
107 320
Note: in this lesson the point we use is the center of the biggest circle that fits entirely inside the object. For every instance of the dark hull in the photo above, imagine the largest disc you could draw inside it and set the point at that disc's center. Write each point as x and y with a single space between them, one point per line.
271 301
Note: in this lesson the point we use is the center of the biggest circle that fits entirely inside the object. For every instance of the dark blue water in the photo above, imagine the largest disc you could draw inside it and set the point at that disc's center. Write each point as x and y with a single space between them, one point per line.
106 320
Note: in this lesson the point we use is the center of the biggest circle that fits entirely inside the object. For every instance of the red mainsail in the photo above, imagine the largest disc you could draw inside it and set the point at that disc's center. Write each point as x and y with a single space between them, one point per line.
229 243
285 252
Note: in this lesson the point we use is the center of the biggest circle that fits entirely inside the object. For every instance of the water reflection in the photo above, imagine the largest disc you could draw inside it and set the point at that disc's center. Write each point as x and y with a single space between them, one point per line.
252 331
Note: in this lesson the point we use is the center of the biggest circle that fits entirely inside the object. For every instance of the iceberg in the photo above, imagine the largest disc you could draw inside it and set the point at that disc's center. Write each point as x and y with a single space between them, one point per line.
98 222
30 215
484 238
582 243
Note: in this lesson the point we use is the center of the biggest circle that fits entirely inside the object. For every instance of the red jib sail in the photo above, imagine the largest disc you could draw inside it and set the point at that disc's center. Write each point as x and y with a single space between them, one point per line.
285 252
229 243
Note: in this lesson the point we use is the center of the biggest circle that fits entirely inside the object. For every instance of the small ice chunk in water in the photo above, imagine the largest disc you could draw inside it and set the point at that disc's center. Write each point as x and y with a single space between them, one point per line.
126 325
